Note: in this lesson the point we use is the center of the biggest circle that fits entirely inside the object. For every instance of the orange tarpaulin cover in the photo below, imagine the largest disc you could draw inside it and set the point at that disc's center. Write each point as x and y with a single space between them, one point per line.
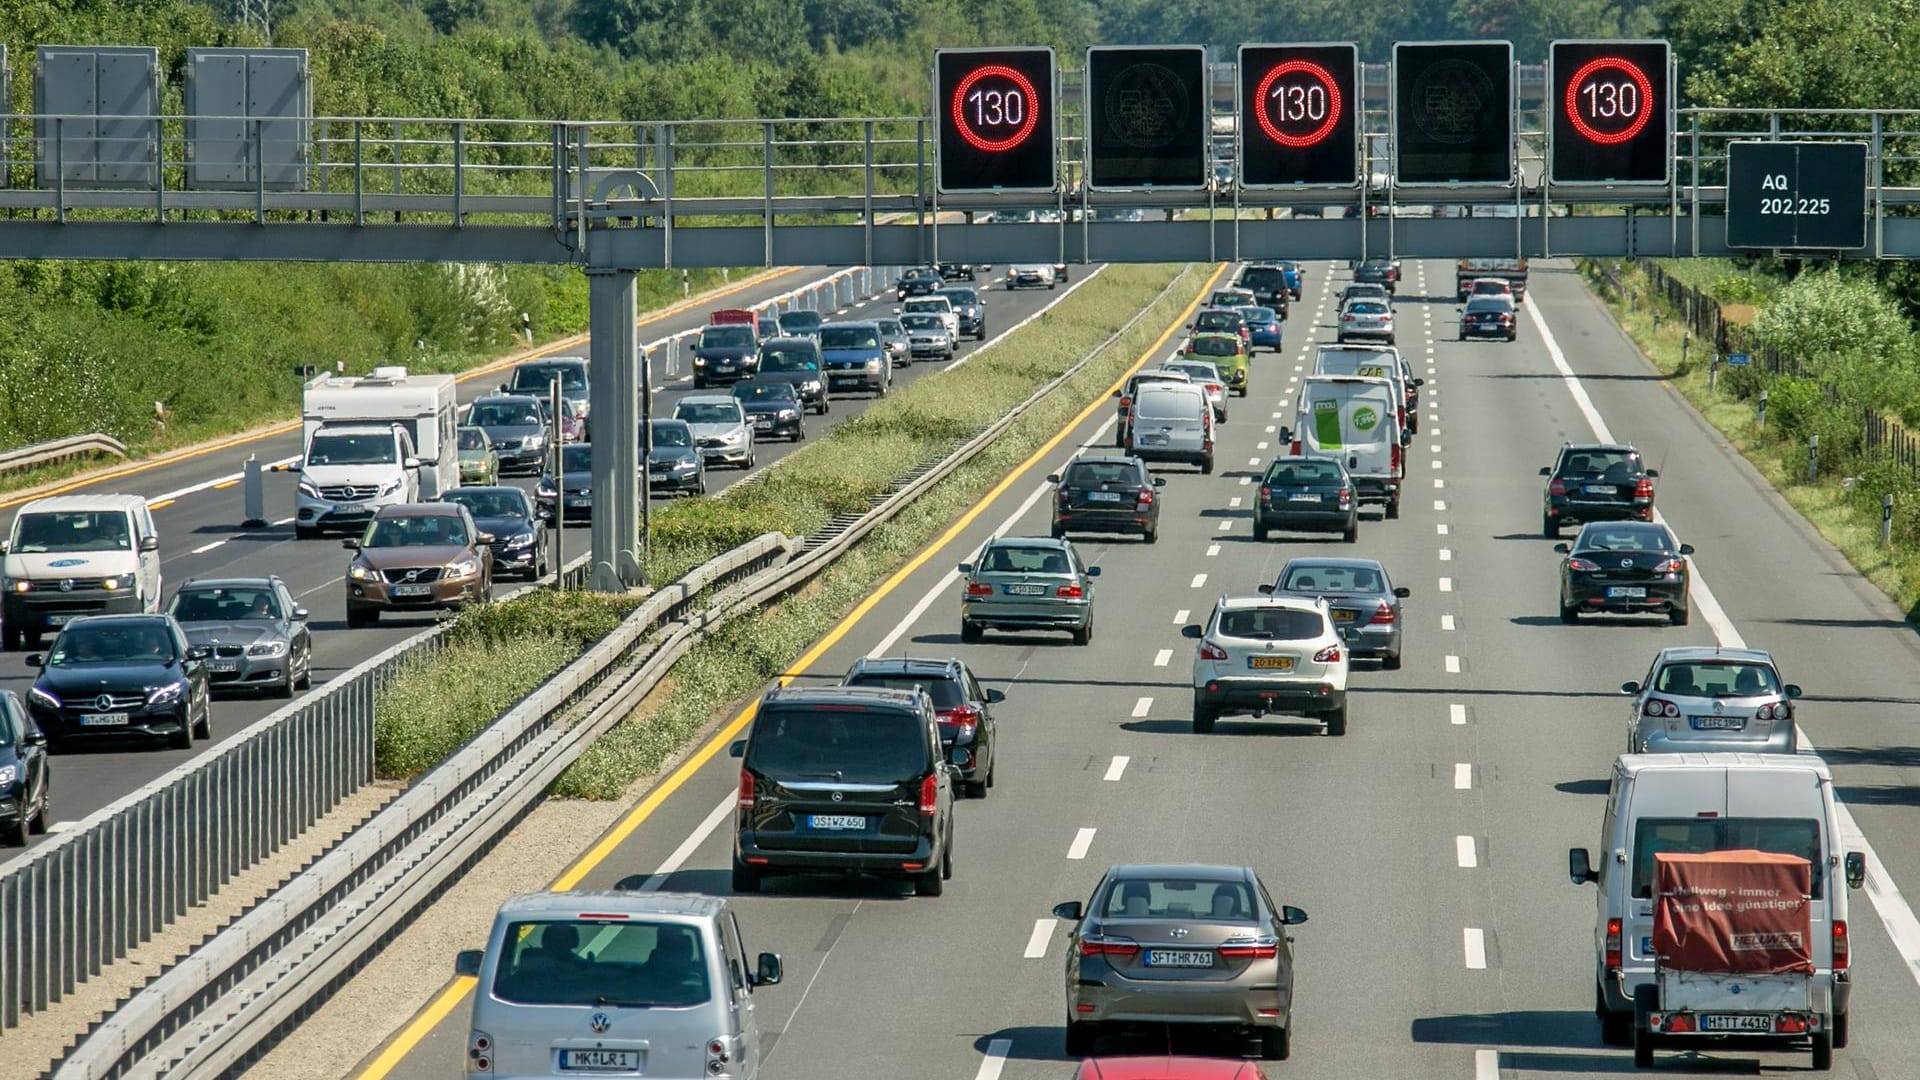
1733 912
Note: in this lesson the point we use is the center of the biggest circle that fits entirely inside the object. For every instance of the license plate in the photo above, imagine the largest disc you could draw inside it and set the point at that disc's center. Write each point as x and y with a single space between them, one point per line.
582 502
1304 496
839 822
111 719
348 509
1628 592
59 620
1153 440
1188 958
1717 723
1270 663
1026 590
1103 496
1340 615
413 590
600 1060
1760 1023
223 665
1600 489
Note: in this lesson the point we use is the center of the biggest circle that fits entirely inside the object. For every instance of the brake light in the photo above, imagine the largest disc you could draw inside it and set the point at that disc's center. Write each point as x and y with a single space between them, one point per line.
1660 707
1779 710
1068 592
1582 564
1145 497
1842 954
1643 489
1210 651
1328 655
1295 448
1613 944
974 588
965 718
1266 493
930 795
1098 945
744 800
1126 402
1252 950
1382 614
1214 388
1346 496
1397 467
1674 566
1556 486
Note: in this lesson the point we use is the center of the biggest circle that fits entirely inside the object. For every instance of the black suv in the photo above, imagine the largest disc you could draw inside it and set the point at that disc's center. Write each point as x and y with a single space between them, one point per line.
1596 482
960 704
1107 494
844 779
117 675
1270 287
1306 495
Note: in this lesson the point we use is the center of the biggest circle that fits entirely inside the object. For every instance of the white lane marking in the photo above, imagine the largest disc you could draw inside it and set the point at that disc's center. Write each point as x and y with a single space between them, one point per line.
1453 664
1441 528
997 1051
1233 503
1003 335
1435 431
1457 713
1225 526
1462 776
1037 941
1142 707
204 548
1435 463
1254 460
1439 483
1259 446
1446 584
1276 416
1446 554
1446 622
1272 428
1433 416
1082 840
1486 1065
283 521
1464 854
1180 617
1162 658
1213 550
1246 480
688 846
1435 448
1476 945
1116 768
317 588
1439 504
1198 580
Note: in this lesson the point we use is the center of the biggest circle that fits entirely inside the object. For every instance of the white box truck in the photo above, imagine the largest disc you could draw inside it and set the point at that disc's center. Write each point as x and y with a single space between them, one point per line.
371 441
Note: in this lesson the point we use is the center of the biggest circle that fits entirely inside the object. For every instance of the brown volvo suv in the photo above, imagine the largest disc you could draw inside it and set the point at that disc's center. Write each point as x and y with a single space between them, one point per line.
418 557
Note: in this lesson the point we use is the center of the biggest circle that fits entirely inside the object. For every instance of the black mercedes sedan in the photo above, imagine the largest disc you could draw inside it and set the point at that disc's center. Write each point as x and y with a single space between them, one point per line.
110 675
1625 567
774 407
257 635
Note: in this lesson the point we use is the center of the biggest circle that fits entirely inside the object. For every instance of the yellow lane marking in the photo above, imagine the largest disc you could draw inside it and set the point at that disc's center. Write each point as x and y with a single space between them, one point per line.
224 484
161 505
423 1023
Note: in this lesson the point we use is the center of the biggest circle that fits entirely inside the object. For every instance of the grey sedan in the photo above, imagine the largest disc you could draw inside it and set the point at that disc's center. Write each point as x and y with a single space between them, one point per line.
1701 699
1201 945
1028 583
256 635
1364 603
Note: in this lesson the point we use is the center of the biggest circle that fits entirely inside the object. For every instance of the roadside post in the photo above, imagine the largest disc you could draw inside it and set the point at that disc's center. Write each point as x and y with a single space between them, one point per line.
254 489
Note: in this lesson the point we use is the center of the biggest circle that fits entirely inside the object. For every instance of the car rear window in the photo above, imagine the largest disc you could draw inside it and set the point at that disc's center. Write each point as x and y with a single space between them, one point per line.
626 964
1332 579
727 337
1262 277
1367 307
1625 538
788 360
1014 559
1272 624
1717 678
944 691
1619 463
851 743
1303 472
1694 836
1158 404
1216 346
1096 473
1488 303
1178 898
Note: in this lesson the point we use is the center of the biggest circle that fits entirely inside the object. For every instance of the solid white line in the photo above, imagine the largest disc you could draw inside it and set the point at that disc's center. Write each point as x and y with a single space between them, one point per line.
1463 852
1180 617
1446 554
1082 840
1453 664
1048 306
1118 767
688 846
1141 708
1462 776
1476 942
1198 580
204 548
1446 622
1213 550
996 1059
1486 1065
1446 584
1457 713
1037 941
1161 658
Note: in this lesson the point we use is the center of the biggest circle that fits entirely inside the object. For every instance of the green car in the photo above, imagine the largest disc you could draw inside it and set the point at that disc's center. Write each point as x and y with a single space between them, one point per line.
1226 352
479 461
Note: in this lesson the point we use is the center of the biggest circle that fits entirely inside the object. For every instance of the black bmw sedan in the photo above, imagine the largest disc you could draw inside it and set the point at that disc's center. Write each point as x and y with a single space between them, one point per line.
1625 567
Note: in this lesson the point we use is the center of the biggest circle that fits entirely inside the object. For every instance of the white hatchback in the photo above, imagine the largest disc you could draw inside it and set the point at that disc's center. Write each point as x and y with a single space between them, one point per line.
1269 654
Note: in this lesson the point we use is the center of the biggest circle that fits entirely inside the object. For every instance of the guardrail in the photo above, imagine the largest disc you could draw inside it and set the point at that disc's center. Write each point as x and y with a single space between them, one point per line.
54 450
218 1008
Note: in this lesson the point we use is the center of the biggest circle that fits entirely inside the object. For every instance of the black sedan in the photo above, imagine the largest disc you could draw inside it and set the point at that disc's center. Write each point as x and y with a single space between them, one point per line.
1301 494
922 282
962 706
675 464
1106 495
25 779
505 513
775 409
1626 567
1379 272
117 675
576 476
257 635
1488 316
971 309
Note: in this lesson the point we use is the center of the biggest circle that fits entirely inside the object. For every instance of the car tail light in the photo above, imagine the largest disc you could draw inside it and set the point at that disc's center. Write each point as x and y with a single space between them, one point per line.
1842 953
1210 651
1660 707
1793 1024
1214 388
744 800
1779 710
1101 945
1345 496
1065 496
1266 493
1068 592
1586 565
1612 959
1328 655
1396 459
1643 489
930 795
1262 949
717 1049
1556 486
1144 497
1295 448
1126 402
479 1052
1383 614
964 717
974 588
1674 566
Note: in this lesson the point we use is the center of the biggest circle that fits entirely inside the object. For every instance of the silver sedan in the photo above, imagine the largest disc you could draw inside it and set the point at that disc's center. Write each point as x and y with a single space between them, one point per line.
1362 601
1028 583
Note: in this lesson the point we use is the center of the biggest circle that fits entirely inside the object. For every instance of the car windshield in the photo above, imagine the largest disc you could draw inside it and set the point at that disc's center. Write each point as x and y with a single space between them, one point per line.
144 642
1498 288
71 530
505 414
1271 624
1695 836
576 458
922 322
800 322
788 360
221 603
1366 307
491 502
1618 465
707 412
961 296
1325 579
372 448
1488 303
847 743
1093 474
472 438
763 391
1019 559
1304 472
727 337
850 337
671 435
1182 899
1216 346
937 305
944 691
1232 297
1625 538
1263 278
1717 679
628 964
540 376
416 530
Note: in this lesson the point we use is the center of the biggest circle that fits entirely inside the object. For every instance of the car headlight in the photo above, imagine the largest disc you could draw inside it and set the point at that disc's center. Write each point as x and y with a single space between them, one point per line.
44 697
873 364
544 490
8 774
788 414
699 361
166 695
20 585
118 581
309 490
268 648
515 543
463 568
533 442
360 572
390 486
686 465
734 436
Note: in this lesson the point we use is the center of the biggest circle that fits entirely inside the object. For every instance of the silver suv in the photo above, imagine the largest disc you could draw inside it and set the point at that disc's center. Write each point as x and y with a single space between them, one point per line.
1269 654
1699 699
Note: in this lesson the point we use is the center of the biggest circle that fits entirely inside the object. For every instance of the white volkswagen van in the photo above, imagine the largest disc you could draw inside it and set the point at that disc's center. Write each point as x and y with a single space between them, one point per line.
75 555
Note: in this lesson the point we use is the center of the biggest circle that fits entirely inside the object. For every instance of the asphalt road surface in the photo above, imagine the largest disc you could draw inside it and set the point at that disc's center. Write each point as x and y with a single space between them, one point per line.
198 505
1428 845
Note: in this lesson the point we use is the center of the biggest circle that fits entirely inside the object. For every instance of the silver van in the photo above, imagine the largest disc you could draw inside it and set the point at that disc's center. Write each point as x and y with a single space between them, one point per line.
1172 422
615 984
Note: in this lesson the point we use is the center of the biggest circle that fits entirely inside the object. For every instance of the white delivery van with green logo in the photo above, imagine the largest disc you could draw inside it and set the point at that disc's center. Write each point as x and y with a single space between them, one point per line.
1353 420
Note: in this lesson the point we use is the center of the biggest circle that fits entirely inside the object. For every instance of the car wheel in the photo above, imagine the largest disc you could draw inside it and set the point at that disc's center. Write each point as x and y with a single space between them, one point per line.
1549 526
1084 635
1057 532
204 729
1822 1051
1204 716
16 833
1393 508
1513 336
1276 1044
975 789
969 633
749 463
946 855
799 433
929 883
1080 1036
37 823
1150 536
1351 534
285 689
1616 1028
359 617
1569 615
1646 999
1222 418
306 673
1337 721
1206 465
182 739
1840 1024
1679 615
14 640
1259 529
699 383
745 878
1390 662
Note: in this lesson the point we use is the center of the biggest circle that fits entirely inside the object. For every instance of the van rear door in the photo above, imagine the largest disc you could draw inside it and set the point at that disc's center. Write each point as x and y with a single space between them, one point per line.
1351 420
1669 810
1777 799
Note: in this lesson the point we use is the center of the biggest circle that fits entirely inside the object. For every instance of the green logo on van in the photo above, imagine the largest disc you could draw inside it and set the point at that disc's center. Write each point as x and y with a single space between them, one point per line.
1365 418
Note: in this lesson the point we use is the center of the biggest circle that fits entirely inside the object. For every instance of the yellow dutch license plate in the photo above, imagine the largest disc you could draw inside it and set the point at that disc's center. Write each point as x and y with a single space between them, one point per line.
1342 616
1270 663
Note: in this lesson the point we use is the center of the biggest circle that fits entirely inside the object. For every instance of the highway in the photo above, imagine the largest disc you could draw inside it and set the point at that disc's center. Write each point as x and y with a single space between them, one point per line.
1428 845
199 506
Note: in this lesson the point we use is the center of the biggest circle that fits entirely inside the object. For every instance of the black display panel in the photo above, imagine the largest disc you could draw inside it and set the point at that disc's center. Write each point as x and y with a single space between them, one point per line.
995 112
1299 106
1453 112
1787 195
1611 104
1149 116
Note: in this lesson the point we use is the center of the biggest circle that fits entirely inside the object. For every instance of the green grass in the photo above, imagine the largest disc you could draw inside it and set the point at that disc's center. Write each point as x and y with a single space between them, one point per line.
746 652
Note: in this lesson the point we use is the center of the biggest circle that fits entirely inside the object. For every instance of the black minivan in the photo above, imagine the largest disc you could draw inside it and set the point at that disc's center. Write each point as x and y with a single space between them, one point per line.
847 779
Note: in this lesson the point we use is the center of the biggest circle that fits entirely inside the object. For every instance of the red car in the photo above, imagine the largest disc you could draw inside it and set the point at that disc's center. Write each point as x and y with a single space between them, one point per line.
1167 1067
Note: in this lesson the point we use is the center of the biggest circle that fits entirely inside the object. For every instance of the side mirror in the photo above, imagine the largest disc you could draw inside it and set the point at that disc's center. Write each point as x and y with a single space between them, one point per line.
1546 470
35 660
1093 571
1402 591
1071 910
1580 866
199 652
767 970
1159 481
1353 461
1419 382
1563 549
1793 690
896 311
737 748
1856 864
995 697
1116 393
1266 588
411 463
467 962
350 544
1686 549
300 614
4 545
966 568
1291 916
1629 687
1653 474
1192 631
1406 437
484 538
1053 478
149 543
33 736
1286 434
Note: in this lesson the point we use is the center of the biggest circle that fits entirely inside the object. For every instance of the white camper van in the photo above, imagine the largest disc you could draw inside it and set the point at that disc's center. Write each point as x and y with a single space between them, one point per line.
1353 420
372 441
